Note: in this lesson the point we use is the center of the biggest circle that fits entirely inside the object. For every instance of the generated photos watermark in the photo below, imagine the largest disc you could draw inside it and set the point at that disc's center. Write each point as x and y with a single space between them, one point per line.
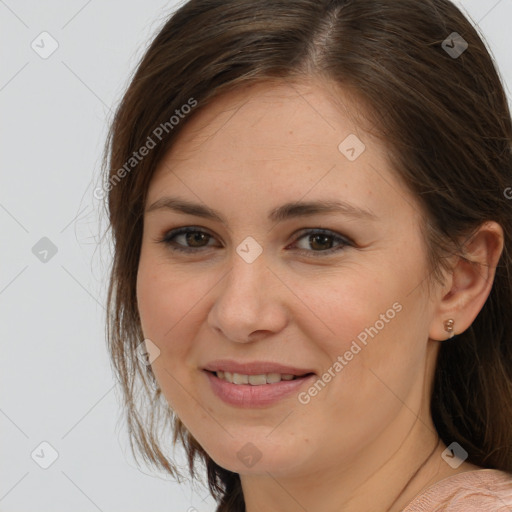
137 156
305 397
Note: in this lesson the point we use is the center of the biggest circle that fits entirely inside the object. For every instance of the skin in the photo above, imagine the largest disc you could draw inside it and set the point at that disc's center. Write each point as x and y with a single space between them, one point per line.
356 445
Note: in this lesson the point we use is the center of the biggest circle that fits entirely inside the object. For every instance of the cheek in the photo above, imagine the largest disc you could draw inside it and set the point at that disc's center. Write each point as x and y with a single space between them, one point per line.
367 326
152 300
157 300
165 305
169 304
340 307
156 294
370 334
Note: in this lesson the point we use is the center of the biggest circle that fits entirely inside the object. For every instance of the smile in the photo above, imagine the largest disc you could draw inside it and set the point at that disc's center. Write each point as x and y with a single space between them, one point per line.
260 390
254 380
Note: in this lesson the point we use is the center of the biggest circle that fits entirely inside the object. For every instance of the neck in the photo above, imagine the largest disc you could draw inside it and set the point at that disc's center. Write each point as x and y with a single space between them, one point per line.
384 477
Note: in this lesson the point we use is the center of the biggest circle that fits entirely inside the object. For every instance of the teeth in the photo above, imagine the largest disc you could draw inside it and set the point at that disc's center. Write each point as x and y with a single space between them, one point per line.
255 380
273 377
240 379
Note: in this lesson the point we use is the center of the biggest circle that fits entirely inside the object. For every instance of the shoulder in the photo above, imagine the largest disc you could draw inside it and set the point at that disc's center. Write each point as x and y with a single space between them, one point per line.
482 490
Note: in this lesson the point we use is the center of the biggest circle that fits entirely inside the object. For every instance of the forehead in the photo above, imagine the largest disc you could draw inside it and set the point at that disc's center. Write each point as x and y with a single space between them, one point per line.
279 140
268 118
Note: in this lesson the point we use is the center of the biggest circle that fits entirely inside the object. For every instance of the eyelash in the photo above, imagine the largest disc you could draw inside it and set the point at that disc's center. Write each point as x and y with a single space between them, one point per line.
168 240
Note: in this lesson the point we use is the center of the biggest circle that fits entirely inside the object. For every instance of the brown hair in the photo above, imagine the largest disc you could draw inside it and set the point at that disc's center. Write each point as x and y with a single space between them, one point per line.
448 128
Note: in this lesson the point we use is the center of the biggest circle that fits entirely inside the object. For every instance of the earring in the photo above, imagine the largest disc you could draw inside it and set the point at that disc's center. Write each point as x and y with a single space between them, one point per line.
448 327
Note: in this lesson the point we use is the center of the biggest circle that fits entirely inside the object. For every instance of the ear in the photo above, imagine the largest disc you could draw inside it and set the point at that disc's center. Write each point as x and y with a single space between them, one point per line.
469 283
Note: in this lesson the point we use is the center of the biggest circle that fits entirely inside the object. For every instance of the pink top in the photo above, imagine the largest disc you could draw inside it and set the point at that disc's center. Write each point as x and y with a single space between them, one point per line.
481 490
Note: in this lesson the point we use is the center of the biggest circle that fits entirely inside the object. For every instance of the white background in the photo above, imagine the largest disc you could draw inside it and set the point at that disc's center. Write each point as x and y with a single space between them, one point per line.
55 377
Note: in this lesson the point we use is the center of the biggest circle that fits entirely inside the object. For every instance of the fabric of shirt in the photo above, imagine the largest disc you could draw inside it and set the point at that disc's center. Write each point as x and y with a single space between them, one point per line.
482 490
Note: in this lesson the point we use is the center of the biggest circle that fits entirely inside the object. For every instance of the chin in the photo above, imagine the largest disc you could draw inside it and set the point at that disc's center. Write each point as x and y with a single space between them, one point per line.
253 457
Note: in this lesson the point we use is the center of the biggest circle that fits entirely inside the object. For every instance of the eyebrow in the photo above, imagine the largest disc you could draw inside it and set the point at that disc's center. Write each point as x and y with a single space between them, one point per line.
279 214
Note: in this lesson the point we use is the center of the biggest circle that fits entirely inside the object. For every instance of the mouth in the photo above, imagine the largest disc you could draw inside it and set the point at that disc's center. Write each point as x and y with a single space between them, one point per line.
257 379
256 390
249 384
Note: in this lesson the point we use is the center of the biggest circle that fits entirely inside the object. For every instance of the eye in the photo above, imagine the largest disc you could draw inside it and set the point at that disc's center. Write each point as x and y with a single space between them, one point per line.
196 237
320 240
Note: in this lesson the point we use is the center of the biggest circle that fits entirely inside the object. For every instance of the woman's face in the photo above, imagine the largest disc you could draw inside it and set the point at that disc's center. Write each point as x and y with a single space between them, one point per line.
334 293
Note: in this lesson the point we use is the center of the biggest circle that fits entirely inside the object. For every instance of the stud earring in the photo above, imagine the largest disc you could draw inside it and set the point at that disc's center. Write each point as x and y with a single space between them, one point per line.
448 327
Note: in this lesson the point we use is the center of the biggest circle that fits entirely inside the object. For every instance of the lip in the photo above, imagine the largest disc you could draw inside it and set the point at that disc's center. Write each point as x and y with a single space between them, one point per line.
254 368
249 396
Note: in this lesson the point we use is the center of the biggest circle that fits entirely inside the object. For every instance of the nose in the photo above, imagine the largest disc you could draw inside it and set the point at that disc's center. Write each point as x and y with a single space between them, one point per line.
250 302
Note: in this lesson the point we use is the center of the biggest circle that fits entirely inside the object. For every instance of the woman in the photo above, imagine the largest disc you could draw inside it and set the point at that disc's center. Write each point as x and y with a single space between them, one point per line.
312 270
